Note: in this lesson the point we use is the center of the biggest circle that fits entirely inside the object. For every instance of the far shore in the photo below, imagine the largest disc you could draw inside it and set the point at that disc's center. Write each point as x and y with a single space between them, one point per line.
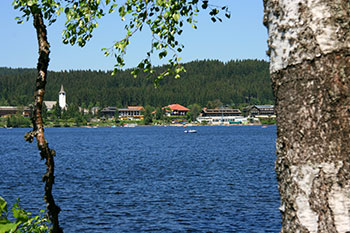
142 125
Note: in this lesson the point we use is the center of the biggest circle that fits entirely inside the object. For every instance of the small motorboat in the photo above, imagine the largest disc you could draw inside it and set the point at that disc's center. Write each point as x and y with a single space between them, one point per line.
190 131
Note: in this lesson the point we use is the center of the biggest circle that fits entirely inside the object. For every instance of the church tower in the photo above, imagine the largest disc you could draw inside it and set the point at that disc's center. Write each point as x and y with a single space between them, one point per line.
62 98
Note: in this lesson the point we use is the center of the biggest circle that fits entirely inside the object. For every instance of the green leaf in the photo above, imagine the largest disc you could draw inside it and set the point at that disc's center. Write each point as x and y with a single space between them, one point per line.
214 12
162 54
3 206
176 16
8 227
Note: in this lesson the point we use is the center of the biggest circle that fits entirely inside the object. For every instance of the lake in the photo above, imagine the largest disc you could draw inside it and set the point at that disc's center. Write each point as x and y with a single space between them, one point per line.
150 179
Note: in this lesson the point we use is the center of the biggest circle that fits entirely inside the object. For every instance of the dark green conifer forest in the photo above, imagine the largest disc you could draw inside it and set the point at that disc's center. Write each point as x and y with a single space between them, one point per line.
233 83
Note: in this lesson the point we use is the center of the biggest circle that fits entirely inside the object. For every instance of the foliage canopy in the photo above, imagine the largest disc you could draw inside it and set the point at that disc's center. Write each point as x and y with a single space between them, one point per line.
165 20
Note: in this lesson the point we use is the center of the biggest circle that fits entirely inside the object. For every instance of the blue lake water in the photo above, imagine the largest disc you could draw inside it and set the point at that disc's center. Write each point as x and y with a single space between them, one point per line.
150 179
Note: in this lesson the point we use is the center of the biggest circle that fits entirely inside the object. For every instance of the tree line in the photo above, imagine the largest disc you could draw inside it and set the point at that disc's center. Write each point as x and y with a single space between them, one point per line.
233 83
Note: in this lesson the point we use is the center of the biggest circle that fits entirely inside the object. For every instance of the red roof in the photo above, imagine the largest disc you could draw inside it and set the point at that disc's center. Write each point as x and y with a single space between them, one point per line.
177 107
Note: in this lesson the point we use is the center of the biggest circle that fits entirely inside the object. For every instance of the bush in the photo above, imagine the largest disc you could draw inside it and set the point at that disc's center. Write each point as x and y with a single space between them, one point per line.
18 122
268 121
24 221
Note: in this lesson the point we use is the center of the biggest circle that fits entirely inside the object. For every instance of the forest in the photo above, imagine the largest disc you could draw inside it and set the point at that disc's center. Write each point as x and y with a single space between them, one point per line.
233 83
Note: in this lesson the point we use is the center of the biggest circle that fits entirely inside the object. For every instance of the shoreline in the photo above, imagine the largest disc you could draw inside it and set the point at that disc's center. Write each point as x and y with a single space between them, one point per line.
120 126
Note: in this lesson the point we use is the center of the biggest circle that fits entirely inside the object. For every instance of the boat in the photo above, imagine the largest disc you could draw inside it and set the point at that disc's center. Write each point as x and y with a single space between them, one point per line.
190 131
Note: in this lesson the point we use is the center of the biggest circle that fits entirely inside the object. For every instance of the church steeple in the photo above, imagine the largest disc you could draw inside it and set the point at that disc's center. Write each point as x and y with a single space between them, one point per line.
62 98
62 90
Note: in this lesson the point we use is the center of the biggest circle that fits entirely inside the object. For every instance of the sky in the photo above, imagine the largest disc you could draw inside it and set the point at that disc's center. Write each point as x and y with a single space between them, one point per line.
243 36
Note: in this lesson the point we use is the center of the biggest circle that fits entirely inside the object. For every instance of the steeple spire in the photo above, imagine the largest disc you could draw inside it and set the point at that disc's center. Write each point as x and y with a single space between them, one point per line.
62 90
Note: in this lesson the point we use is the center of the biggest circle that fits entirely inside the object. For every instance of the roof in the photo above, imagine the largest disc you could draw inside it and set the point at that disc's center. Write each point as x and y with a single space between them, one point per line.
8 108
50 104
129 109
109 109
136 107
177 107
264 106
221 110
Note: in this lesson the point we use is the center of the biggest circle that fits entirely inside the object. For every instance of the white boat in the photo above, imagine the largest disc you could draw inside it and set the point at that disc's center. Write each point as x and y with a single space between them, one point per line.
190 131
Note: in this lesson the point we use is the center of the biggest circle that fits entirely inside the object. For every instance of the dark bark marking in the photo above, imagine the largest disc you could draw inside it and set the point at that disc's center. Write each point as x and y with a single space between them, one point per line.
313 117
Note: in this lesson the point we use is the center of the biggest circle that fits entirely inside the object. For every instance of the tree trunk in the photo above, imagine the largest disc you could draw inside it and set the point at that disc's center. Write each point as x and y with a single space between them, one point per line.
309 48
38 128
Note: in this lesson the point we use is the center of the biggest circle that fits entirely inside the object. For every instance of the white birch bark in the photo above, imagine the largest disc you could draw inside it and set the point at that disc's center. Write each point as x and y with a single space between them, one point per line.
309 48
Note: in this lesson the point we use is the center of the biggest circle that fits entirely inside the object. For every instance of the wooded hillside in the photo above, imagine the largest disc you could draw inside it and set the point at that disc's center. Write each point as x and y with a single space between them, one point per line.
234 82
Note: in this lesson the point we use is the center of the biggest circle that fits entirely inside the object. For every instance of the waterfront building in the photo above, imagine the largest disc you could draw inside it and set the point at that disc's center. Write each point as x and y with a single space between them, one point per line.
175 110
108 112
260 111
221 116
129 113
220 112
8 111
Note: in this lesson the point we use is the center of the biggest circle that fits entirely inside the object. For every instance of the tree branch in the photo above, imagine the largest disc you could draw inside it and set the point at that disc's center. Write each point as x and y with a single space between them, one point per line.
38 127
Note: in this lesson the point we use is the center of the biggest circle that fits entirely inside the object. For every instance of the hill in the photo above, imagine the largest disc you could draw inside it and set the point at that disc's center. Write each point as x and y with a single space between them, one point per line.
233 82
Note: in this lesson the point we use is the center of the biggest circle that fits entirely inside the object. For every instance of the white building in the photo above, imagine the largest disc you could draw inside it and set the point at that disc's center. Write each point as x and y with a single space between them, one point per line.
221 116
223 120
50 104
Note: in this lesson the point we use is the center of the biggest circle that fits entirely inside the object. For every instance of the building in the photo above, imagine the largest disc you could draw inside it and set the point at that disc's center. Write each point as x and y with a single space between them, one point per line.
219 116
131 113
261 111
83 110
50 105
62 101
94 110
175 110
220 112
108 112
62 98
8 111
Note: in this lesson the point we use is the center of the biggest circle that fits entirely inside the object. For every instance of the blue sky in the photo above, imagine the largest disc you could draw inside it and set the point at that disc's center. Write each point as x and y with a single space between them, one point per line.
243 36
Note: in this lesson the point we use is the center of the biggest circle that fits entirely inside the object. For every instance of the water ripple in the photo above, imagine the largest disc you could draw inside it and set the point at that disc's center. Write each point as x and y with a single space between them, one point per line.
150 179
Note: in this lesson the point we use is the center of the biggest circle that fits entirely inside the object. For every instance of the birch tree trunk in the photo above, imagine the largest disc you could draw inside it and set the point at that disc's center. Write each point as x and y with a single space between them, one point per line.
309 48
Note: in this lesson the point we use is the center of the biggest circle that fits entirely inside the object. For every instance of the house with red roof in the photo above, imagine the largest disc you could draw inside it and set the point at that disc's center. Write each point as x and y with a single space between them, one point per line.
175 110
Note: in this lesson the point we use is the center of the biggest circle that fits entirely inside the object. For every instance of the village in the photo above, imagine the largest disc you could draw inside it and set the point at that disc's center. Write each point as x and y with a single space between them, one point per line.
60 114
